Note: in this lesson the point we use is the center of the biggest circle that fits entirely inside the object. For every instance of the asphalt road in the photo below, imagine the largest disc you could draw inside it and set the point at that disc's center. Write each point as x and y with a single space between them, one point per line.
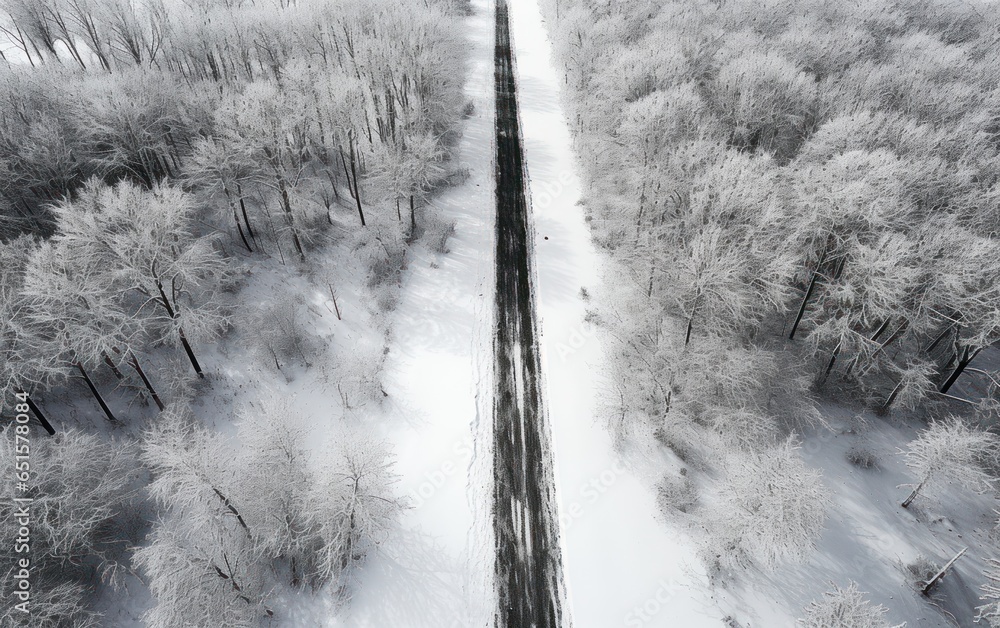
525 521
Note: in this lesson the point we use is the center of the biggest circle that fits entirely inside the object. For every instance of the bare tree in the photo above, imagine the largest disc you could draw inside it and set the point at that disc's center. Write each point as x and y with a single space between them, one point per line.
355 505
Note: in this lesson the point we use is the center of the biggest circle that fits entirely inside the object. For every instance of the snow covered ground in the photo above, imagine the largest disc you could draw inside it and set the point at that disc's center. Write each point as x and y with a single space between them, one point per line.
873 541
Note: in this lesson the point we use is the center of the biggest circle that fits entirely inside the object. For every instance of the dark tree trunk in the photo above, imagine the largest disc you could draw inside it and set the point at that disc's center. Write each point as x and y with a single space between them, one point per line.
97 394
968 355
243 236
357 191
833 360
334 297
881 329
232 509
180 330
112 366
808 295
190 353
243 210
39 415
892 396
940 337
134 363
286 204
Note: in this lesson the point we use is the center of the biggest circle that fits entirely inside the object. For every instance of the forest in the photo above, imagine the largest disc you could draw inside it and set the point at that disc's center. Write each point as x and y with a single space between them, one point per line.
211 212
799 204
170 175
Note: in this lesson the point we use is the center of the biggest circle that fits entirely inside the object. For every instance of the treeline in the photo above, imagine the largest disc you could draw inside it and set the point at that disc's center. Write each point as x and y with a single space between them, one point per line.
801 193
153 157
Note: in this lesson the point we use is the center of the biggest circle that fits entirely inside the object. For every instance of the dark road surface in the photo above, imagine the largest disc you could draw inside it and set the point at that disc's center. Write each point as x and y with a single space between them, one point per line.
528 564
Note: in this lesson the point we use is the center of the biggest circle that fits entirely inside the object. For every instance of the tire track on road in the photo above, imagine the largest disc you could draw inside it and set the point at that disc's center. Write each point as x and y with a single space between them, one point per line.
528 561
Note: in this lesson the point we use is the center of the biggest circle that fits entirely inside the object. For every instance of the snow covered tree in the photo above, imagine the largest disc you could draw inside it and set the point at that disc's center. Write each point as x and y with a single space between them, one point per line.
264 125
991 594
201 580
21 368
83 489
13 366
844 608
355 505
159 268
280 335
766 101
950 450
132 124
277 485
74 324
769 508
236 518
201 560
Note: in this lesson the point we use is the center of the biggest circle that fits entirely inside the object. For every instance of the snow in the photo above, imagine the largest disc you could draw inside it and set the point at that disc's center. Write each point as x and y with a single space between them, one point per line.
624 564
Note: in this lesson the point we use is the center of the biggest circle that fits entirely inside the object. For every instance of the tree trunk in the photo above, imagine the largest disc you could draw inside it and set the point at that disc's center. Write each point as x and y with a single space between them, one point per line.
807 296
892 396
882 328
938 339
243 210
190 353
357 192
334 297
39 415
833 360
97 394
239 227
913 495
926 590
968 355
112 366
286 204
180 330
134 363
232 509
